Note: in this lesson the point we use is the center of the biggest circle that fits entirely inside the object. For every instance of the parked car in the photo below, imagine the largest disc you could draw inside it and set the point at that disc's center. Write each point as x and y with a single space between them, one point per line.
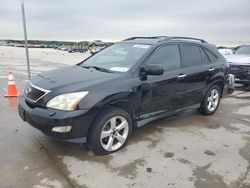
96 43
64 48
76 49
96 49
103 98
239 64
225 51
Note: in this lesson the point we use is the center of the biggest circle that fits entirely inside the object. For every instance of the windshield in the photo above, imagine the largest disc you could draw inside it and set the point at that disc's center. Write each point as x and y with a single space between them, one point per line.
118 57
243 50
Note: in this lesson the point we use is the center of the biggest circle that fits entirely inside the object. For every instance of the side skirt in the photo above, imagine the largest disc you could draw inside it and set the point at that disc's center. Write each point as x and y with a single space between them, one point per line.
142 120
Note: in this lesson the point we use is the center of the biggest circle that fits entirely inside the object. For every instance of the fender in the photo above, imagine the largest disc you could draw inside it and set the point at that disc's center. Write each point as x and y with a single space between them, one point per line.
219 78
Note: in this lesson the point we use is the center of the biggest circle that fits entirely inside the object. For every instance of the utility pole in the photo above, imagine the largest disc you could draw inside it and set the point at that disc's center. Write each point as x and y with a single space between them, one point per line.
25 38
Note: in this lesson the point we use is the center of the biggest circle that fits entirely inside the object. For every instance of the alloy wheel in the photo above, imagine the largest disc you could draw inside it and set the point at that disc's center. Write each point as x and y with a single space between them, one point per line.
213 100
114 133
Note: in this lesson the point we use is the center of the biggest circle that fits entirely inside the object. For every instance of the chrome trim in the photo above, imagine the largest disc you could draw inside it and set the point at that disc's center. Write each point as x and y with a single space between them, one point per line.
181 76
231 79
39 88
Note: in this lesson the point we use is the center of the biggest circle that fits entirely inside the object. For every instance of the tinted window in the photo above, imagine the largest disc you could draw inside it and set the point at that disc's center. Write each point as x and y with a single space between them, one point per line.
211 56
191 55
168 56
204 57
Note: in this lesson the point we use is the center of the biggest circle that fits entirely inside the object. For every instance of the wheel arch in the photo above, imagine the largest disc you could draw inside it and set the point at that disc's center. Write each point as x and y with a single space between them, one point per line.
123 104
217 81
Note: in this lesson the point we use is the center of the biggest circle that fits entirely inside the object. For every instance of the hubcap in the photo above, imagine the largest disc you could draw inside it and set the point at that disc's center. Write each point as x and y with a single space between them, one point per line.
114 133
213 100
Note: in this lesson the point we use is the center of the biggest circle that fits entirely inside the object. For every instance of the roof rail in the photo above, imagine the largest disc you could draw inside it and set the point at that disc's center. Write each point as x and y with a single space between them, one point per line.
188 38
155 37
164 38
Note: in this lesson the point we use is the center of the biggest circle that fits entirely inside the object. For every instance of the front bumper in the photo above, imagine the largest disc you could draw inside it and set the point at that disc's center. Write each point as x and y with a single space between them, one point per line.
241 74
242 81
46 119
229 85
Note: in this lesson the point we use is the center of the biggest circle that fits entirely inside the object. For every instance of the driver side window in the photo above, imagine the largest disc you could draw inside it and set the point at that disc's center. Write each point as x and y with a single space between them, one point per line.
168 56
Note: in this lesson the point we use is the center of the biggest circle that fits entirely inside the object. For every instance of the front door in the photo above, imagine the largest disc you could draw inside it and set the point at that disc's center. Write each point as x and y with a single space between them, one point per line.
163 93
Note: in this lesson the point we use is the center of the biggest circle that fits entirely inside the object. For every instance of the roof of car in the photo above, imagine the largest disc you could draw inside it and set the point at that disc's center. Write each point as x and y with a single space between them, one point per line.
159 39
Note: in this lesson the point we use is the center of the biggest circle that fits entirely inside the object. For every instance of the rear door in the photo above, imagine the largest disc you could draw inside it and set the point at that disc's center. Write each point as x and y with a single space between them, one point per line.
198 71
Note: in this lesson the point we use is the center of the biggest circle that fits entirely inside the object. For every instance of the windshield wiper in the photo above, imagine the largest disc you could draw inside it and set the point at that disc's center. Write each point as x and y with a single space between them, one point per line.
98 68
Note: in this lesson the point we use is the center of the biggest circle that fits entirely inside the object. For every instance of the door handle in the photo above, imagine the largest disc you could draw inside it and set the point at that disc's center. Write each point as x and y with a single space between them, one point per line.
211 69
182 76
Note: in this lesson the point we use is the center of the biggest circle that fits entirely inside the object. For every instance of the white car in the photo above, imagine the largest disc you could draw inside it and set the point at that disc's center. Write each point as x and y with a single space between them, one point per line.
225 51
239 64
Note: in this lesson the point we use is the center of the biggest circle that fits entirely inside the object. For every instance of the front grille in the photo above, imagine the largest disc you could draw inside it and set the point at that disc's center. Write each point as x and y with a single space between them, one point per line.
240 71
234 67
34 93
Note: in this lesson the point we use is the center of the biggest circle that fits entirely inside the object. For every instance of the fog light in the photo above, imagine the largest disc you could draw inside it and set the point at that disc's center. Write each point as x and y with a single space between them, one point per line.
63 129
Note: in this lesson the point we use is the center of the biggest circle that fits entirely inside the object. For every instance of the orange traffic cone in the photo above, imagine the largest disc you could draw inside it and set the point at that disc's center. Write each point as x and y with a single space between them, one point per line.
12 91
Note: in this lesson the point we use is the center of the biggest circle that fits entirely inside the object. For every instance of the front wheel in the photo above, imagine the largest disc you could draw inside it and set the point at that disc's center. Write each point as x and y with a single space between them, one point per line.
110 131
211 101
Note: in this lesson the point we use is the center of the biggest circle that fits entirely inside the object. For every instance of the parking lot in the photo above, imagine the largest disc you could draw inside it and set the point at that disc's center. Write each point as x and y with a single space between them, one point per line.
186 150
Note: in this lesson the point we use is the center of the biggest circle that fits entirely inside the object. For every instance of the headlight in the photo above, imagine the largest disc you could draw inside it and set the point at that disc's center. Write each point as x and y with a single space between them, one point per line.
67 102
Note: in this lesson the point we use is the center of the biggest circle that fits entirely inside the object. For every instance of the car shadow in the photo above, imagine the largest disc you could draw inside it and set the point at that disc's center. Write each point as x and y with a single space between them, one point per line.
149 132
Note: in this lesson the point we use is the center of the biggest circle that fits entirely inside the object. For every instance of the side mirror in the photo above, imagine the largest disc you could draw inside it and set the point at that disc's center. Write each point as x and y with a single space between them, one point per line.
152 70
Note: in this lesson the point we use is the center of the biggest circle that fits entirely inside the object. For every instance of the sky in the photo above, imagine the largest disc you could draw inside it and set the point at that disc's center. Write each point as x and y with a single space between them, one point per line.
222 22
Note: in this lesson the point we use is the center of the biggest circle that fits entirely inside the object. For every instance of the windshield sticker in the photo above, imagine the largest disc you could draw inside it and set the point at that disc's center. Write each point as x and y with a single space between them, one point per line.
141 46
119 69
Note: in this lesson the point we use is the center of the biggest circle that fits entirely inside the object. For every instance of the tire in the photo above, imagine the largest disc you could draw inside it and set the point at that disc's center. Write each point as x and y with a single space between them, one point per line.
105 136
211 101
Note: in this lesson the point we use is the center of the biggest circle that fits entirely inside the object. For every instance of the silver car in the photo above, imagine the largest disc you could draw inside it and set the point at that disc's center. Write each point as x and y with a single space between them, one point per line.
239 64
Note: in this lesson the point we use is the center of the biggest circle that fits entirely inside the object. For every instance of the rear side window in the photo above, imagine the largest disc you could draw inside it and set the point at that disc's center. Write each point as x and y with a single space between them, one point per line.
204 57
191 55
168 56
211 56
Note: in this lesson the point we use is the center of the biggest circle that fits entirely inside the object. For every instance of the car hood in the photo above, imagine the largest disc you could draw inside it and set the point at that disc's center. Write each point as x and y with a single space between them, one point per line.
72 78
238 58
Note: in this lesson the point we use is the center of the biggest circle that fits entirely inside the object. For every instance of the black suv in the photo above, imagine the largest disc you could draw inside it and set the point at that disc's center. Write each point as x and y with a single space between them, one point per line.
102 99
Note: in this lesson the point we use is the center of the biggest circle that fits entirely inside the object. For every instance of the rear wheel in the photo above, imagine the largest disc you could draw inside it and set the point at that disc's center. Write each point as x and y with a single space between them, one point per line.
211 101
110 131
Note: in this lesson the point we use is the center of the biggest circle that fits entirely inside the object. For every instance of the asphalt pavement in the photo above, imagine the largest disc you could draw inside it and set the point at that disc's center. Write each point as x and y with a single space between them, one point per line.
186 150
